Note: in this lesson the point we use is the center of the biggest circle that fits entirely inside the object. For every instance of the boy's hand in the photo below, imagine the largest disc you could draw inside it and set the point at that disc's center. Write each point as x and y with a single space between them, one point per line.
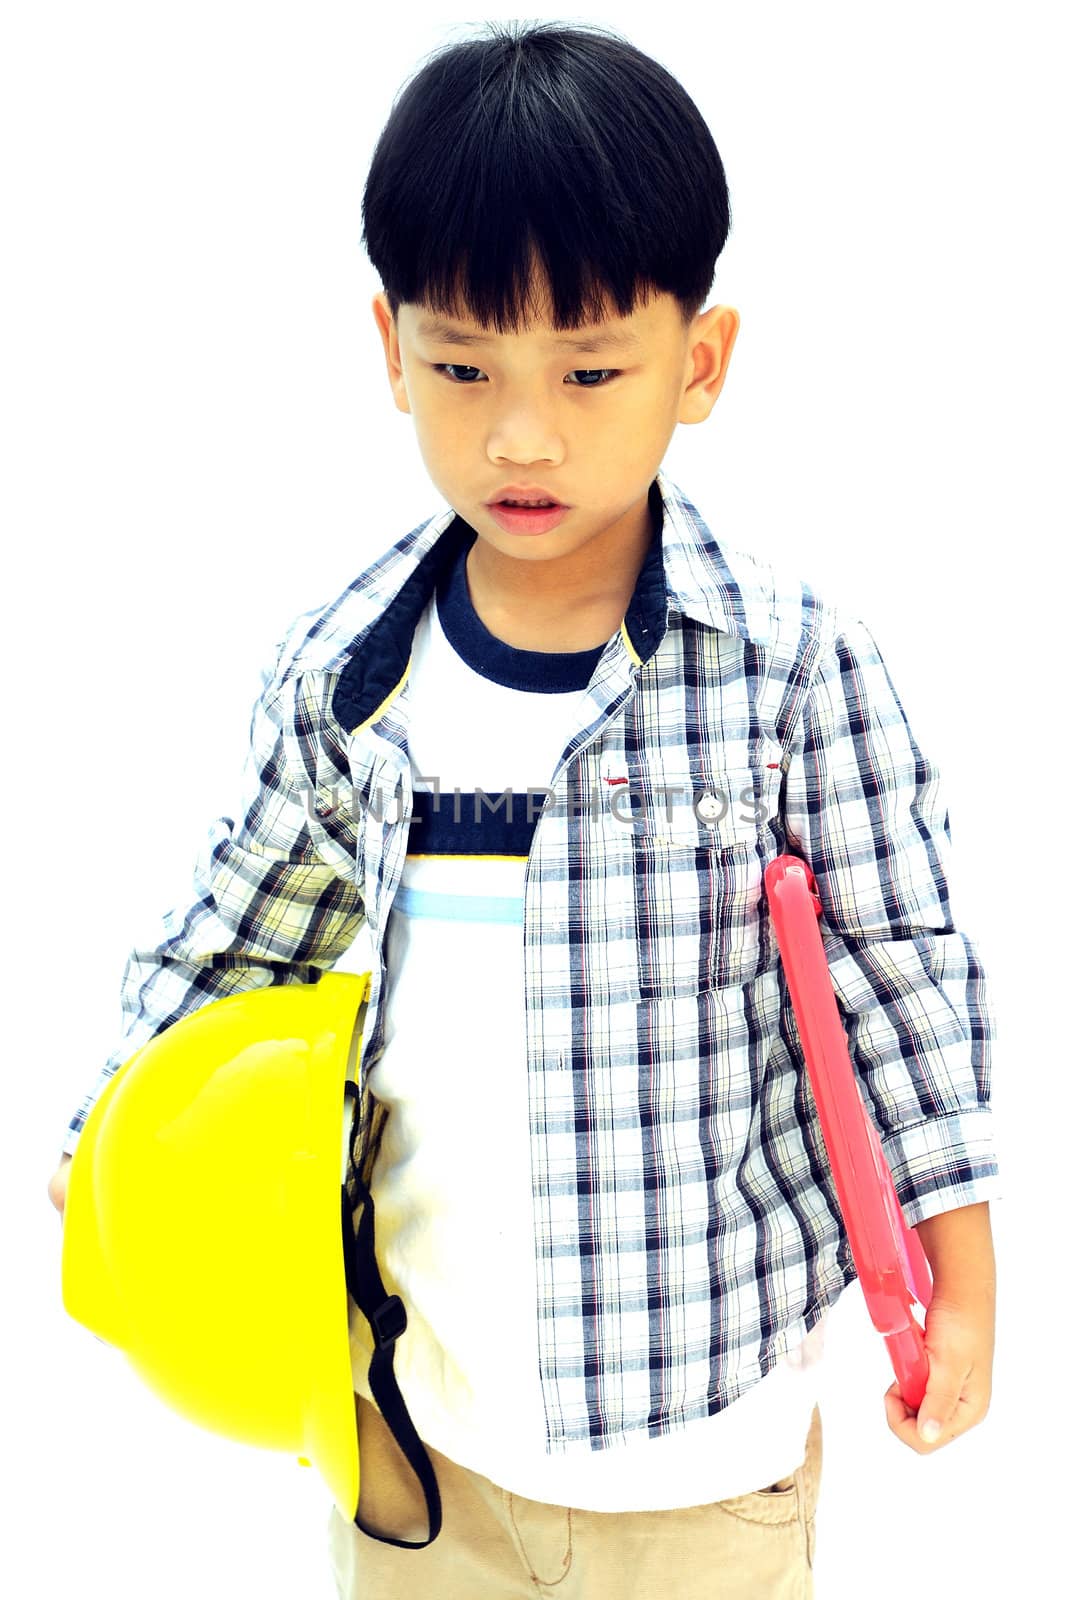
959 1347
57 1184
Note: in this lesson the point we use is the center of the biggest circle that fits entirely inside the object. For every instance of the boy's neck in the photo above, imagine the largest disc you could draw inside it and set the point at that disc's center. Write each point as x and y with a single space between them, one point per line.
573 603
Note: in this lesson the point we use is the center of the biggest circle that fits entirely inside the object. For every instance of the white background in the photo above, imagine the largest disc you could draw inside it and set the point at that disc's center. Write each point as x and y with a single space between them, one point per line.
199 442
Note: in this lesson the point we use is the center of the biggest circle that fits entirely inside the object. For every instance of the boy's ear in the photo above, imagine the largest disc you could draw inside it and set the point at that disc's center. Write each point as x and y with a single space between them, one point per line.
391 341
711 343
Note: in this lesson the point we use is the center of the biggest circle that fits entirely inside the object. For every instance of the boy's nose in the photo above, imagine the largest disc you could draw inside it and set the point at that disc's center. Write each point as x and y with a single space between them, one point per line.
525 433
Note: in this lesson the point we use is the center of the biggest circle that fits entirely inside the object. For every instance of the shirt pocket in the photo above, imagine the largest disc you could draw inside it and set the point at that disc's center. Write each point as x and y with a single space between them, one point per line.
700 914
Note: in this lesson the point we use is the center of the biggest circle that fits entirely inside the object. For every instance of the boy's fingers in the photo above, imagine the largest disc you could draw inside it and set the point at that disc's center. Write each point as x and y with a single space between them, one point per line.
904 1422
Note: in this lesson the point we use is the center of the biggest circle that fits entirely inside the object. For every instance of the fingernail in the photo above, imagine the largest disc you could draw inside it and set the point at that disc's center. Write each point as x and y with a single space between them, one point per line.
930 1431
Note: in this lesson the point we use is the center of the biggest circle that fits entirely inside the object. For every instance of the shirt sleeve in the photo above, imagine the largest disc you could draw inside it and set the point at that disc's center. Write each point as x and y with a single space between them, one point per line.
270 900
863 806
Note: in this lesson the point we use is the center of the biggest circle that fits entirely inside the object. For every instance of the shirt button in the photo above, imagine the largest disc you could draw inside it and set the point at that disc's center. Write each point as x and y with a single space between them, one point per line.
710 807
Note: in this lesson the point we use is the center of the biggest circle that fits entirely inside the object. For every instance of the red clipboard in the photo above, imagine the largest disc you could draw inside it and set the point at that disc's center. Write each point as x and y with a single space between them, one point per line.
889 1256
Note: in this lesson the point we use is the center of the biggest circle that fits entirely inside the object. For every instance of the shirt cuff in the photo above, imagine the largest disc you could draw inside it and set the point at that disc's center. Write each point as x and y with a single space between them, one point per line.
944 1163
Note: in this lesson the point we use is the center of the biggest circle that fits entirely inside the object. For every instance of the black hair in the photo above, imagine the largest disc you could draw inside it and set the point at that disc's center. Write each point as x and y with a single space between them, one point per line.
541 143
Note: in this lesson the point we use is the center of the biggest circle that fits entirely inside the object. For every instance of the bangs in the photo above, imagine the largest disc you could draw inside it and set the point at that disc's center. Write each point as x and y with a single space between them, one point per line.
549 155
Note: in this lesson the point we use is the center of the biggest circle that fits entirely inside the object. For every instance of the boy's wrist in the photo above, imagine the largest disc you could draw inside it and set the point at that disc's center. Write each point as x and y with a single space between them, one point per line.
959 1248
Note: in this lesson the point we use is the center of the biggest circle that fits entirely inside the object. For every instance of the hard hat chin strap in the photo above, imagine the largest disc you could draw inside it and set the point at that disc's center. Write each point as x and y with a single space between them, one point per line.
387 1319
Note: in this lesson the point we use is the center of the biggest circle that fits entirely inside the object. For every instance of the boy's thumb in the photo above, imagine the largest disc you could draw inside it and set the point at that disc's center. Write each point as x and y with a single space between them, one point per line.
57 1184
939 1402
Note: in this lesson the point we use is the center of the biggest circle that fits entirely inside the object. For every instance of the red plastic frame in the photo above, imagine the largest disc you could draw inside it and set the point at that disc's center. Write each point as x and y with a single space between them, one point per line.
889 1256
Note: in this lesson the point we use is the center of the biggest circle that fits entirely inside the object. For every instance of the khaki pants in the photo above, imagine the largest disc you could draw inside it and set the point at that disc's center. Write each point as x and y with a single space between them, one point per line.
495 1545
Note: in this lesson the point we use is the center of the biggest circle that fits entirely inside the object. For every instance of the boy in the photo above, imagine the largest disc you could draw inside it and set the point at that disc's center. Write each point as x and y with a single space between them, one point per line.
581 733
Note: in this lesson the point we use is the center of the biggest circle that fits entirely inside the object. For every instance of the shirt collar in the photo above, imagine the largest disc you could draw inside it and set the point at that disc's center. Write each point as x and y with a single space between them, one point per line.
685 572
699 581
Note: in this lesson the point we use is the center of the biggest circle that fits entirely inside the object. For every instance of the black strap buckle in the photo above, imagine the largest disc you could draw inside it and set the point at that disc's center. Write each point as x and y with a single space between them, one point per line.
388 1322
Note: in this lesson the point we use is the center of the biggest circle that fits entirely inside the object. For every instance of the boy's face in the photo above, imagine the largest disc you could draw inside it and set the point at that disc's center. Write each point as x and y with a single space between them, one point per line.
516 409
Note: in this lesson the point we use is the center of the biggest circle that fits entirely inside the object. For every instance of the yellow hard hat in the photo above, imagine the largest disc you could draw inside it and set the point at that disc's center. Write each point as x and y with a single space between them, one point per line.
202 1234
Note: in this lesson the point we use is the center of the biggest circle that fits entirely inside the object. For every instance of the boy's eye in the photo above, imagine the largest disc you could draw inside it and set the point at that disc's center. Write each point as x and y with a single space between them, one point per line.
607 373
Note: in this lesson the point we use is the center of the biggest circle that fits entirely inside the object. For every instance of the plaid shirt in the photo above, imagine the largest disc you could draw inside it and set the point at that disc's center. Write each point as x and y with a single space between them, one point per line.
687 1228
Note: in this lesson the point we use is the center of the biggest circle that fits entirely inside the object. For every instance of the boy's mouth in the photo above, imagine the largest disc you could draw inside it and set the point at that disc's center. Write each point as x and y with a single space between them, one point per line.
528 499
529 518
527 505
